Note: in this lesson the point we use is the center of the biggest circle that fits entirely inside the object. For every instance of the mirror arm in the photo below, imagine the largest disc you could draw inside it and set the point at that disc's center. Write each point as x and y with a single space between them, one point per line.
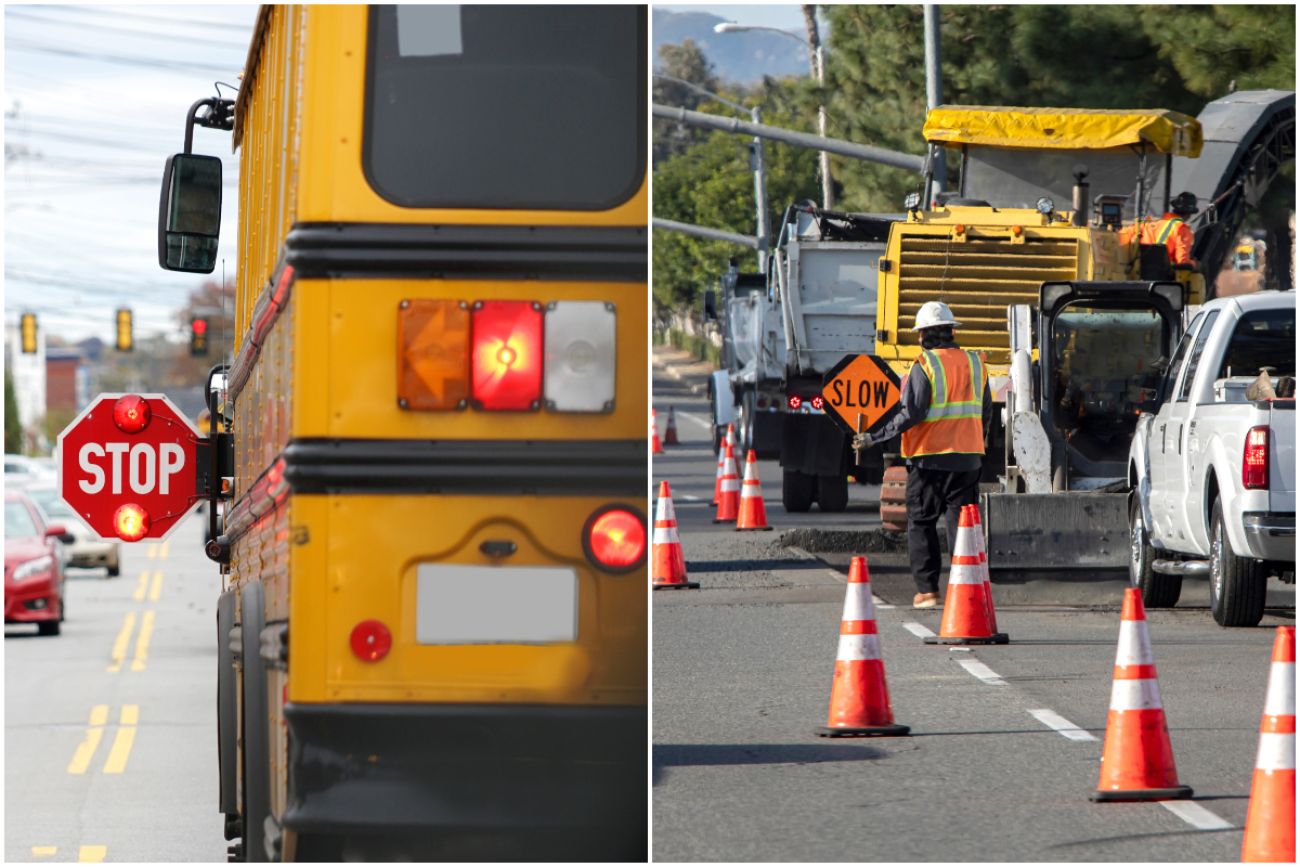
220 115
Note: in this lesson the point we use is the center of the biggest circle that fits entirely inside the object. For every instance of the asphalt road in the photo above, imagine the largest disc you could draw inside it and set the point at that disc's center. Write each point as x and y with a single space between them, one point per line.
1006 740
110 733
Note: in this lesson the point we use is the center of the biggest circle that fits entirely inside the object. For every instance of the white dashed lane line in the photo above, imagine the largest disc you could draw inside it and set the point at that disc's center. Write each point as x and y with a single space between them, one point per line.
1060 724
982 671
1196 816
917 629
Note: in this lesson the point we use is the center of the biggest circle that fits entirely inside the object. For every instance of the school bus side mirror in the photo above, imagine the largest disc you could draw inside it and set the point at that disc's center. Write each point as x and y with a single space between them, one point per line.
189 213
710 305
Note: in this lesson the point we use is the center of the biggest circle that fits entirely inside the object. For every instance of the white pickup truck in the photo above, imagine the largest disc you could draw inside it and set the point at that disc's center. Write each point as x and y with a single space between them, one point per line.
1212 472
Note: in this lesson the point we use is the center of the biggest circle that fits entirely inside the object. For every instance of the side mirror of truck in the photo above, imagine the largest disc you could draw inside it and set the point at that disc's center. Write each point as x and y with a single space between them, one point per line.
189 213
710 305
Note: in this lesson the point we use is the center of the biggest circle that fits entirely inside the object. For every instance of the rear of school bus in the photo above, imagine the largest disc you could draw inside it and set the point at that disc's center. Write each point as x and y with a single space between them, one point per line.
439 421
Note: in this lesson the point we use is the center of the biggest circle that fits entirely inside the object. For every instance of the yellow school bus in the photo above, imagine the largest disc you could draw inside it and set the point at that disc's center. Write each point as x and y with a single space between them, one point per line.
433 642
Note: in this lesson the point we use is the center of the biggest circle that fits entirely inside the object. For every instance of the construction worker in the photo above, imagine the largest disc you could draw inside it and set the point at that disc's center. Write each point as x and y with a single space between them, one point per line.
1171 230
944 426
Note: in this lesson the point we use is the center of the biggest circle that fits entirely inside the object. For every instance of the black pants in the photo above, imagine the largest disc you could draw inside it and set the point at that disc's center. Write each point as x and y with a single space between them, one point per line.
931 493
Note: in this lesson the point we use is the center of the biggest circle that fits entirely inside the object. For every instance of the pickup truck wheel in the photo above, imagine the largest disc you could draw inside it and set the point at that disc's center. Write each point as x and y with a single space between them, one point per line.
1237 584
833 493
796 491
1158 591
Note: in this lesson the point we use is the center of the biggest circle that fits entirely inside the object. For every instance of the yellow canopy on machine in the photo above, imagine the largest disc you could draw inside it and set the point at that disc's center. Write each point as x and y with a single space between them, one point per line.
1166 132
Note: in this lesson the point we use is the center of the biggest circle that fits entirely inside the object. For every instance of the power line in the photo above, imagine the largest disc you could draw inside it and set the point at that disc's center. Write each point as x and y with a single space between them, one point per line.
120 60
100 28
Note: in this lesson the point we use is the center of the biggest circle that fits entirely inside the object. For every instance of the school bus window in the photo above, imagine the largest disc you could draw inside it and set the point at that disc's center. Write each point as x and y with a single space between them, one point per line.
519 107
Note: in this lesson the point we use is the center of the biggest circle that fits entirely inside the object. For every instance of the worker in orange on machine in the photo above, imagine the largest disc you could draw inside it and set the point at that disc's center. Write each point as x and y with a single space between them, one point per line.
1171 230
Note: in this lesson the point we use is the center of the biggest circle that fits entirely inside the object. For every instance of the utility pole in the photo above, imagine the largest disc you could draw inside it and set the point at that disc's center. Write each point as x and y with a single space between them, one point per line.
817 58
934 90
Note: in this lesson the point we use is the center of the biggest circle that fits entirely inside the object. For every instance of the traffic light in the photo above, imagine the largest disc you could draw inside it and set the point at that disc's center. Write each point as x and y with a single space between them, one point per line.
125 343
28 328
198 335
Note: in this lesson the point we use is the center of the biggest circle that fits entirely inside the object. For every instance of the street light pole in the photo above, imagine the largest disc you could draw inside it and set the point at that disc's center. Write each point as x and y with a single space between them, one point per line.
757 164
817 62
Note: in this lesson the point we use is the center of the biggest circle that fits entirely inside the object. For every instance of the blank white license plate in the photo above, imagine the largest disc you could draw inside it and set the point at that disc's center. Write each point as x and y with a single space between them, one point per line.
495 605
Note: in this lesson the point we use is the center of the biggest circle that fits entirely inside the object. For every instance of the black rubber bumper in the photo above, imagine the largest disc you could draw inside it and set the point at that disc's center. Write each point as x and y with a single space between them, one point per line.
378 768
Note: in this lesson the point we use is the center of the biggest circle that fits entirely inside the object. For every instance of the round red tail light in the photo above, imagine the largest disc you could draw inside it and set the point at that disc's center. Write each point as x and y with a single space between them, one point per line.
795 401
131 413
818 402
615 538
131 522
371 641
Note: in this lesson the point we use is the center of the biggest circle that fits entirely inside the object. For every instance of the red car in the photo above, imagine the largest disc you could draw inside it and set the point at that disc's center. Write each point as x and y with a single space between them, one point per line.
33 565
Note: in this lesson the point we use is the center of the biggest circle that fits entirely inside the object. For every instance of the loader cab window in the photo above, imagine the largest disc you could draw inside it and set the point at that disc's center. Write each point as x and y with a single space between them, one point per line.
1262 338
1107 362
1018 177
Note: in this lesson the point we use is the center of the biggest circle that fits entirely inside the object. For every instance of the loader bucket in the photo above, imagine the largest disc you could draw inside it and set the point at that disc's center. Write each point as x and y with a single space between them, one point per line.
1069 535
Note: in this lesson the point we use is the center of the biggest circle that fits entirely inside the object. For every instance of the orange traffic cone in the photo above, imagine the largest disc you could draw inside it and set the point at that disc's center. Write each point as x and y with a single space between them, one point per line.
984 569
753 514
669 569
859 694
965 613
729 490
656 447
729 438
1137 759
670 432
1270 818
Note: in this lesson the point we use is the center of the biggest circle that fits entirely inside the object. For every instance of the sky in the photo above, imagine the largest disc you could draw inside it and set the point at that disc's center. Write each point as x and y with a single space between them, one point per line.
784 17
95 99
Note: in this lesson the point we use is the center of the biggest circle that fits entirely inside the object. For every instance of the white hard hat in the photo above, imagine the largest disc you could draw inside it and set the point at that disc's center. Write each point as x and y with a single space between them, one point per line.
932 314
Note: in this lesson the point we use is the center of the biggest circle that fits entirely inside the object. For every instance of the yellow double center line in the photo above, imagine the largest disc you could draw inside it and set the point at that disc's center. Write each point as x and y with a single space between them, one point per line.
144 588
123 639
85 854
121 749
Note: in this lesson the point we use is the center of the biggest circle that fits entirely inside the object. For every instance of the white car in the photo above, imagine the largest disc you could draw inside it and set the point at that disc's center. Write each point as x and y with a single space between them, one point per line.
87 550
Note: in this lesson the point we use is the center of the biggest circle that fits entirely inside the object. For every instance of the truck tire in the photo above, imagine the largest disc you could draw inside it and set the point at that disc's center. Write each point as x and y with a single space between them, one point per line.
796 491
745 423
1237 584
832 493
1158 590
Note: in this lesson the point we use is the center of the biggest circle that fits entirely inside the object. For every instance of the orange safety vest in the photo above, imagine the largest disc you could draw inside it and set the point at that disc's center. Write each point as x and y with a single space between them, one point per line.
954 423
1170 230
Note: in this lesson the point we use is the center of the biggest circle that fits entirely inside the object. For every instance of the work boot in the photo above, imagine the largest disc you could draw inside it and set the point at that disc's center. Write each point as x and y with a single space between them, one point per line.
925 600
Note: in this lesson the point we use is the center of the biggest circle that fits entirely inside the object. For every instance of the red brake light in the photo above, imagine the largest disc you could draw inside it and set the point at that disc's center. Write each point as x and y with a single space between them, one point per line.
795 401
615 539
131 413
1254 459
131 522
506 359
371 640
818 402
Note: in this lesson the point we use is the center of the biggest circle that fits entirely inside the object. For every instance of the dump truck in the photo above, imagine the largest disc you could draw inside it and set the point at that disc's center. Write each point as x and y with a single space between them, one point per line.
824 271
747 390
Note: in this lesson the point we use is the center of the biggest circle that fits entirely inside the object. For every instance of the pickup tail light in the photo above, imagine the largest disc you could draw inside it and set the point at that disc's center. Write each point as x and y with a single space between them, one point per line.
506 355
614 538
1254 459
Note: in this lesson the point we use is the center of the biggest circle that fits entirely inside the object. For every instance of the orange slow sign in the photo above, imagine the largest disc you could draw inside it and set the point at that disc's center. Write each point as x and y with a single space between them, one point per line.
860 392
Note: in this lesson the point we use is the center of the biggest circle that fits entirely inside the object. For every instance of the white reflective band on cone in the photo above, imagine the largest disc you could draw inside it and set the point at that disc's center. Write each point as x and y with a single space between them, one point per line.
857 602
857 648
665 535
730 484
963 574
965 546
1281 690
1276 753
580 343
1135 695
1134 644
